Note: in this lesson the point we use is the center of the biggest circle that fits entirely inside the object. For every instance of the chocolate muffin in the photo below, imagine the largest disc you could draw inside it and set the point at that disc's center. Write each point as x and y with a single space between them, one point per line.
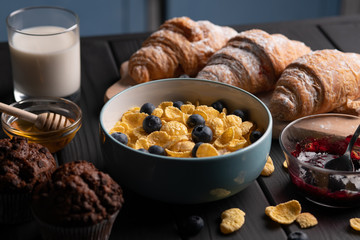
23 165
76 197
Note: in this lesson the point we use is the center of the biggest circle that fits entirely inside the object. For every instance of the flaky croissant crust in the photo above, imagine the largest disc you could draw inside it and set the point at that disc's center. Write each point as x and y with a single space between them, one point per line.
319 82
253 60
180 46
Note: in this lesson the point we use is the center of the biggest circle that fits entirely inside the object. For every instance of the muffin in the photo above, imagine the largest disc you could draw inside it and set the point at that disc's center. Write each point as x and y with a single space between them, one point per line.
23 165
78 202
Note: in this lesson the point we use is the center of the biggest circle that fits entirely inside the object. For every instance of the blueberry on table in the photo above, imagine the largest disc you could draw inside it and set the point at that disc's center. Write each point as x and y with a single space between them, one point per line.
121 137
195 148
156 149
178 104
194 120
152 123
147 108
201 133
298 236
254 136
240 113
191 225
218 105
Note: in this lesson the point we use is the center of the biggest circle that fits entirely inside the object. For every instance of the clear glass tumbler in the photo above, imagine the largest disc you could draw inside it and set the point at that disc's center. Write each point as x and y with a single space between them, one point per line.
45 52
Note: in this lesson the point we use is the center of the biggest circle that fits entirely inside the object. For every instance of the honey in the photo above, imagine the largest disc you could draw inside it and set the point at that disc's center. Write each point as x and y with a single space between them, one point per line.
53 140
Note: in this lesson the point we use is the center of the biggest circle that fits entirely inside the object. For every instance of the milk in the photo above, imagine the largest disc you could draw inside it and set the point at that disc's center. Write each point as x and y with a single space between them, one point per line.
45 65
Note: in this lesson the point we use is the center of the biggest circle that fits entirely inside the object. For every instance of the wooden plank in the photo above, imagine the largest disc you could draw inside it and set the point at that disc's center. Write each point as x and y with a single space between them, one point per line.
125 46
305 31
143 218
98 71
345 36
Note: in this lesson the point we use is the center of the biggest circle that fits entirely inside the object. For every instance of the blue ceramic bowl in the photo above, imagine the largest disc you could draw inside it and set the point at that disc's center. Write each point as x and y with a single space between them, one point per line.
184 180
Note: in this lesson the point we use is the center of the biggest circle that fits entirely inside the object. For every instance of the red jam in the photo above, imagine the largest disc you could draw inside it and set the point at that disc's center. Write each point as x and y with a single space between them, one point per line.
329 189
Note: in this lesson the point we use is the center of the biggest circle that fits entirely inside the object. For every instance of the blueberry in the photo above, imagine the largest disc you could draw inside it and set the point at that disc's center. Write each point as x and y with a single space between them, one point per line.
195 148
142 150
218 105
178 104
155 149
147 108
184 76
194 120
152 123
121 137
241 113
297 236
191 225
254 136
201 133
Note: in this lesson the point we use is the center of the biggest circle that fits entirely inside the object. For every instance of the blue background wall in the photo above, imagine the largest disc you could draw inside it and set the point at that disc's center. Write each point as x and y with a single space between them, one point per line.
129 16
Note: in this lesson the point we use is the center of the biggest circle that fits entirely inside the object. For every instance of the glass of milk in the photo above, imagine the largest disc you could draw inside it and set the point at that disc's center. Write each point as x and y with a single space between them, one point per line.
45 52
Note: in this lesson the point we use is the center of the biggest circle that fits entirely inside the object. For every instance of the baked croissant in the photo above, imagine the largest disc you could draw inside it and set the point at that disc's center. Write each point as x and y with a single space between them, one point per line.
180 46
253 60
319 82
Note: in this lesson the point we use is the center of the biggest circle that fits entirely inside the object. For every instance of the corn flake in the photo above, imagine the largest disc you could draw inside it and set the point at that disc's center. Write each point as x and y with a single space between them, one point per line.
237 144
233 120
139 132
232 220
217 126
120 127
176 139
142 143
183 146
184 154
355 223
187 108
225 138
268 209
202 113
158 112
306 220
133 120
285 165
206 150
246 127
173 114
269 167
160 138
286 213
174 128
237 132
209 111
134 109
165 104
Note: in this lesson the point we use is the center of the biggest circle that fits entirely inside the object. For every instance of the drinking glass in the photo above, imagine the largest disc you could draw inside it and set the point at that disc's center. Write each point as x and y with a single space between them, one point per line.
45 52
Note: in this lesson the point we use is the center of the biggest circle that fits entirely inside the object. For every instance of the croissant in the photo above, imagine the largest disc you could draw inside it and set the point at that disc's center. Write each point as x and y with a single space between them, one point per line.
319 82
253 60
180 46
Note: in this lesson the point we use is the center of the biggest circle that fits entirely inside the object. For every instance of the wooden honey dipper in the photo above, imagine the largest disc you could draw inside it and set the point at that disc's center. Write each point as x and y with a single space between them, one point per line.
44 121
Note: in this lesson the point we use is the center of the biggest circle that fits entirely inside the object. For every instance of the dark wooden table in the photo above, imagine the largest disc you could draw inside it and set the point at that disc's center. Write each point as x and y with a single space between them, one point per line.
143 218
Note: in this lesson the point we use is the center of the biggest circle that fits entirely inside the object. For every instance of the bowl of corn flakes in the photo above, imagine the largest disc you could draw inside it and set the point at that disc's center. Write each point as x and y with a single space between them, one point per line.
185 140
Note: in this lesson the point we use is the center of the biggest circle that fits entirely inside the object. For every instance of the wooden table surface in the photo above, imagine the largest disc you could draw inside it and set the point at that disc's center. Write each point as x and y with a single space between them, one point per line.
143 218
